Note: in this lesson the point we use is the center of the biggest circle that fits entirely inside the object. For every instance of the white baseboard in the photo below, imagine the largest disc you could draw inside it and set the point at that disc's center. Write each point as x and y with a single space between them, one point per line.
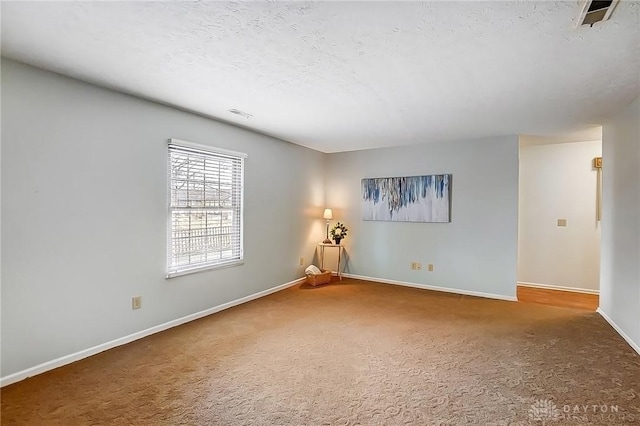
558 287
432 287
628 339
68 359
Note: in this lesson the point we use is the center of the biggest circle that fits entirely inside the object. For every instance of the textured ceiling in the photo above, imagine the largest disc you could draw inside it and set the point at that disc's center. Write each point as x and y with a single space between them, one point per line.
338 76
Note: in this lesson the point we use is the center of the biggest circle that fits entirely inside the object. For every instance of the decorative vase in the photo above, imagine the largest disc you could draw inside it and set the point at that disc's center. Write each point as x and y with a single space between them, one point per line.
338 240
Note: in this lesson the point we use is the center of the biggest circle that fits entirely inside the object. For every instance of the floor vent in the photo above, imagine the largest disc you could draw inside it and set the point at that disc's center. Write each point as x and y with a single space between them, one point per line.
596 11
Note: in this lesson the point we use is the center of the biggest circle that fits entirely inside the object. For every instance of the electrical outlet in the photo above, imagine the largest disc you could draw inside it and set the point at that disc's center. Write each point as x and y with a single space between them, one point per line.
562 222
136 302
301 261
430 267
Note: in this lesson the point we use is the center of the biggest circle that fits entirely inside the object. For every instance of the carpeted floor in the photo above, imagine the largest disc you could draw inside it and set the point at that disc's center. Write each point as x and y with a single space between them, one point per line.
351 353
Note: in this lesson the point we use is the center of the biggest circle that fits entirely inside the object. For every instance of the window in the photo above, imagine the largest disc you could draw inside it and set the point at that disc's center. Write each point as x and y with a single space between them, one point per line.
205 208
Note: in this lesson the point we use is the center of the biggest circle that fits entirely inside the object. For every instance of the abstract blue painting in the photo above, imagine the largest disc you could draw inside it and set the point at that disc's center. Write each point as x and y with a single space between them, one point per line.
407 199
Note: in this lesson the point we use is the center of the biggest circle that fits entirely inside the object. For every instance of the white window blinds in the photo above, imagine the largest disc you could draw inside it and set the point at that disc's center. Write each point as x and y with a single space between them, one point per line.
205 208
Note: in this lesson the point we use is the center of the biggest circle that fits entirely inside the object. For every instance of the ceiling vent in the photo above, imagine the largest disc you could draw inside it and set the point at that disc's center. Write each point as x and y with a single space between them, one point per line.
240 113
596 11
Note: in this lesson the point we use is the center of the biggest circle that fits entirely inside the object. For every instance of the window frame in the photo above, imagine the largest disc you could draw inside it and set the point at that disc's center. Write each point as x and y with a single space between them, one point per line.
175 270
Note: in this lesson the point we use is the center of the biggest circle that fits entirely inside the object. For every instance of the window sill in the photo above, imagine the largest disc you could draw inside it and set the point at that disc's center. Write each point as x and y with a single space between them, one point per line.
204 269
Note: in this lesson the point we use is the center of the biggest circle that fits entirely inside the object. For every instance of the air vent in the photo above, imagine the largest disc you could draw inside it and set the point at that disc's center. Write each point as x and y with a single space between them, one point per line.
240 113
596 11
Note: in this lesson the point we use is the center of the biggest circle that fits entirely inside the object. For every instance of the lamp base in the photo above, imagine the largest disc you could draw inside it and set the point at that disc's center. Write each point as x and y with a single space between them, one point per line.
327 241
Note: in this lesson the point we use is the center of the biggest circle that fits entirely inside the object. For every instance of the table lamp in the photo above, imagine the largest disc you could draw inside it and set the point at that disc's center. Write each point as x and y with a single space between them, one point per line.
328 215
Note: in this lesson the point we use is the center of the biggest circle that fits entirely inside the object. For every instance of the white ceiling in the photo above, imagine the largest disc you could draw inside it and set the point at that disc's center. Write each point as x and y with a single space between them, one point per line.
338 76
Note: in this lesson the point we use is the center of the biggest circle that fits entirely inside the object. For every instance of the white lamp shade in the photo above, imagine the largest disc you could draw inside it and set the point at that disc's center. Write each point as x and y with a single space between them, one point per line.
328 214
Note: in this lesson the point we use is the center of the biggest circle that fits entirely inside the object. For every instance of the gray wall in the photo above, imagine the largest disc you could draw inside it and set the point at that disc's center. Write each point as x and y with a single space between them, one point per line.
84 197
476 252
620 261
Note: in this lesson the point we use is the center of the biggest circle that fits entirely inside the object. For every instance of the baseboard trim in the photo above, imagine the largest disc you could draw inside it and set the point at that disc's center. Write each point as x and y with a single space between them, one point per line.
558 287
433 287
68 359
612 323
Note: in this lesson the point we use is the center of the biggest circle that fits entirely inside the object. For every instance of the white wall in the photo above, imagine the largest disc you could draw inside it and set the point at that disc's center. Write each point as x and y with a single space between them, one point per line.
558 181
84 215
620 270
476 252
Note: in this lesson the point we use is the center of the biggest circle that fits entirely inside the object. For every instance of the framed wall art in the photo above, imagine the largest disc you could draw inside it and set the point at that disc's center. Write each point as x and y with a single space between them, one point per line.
407 199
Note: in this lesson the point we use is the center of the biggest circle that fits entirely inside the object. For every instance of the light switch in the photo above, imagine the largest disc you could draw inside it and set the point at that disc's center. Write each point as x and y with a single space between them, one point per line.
562 222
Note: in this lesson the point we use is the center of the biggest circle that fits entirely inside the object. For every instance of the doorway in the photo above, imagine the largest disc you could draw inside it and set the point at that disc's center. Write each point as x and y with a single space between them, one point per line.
558 223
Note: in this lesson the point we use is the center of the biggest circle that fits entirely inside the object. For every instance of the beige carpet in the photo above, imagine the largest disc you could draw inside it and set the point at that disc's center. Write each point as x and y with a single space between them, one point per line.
352 353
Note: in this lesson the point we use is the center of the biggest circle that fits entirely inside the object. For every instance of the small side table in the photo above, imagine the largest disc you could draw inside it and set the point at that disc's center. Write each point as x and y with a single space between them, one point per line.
340 247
